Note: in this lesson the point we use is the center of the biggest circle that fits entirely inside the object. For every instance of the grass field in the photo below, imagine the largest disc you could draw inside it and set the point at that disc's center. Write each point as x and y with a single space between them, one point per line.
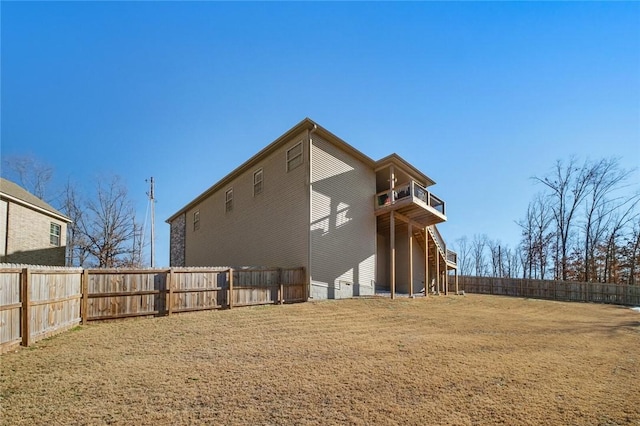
462 360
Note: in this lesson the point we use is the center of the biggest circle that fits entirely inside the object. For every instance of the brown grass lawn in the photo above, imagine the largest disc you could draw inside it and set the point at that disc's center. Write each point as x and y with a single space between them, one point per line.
443 360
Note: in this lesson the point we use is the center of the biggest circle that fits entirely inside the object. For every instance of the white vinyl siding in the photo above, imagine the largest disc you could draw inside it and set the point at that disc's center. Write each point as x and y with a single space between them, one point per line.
343 224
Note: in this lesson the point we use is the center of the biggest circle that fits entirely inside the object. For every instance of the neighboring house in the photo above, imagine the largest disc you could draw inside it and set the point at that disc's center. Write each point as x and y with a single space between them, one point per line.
310 199
31 231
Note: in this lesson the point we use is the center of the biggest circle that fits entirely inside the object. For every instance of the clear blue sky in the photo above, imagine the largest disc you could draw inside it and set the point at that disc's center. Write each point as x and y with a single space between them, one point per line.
480 96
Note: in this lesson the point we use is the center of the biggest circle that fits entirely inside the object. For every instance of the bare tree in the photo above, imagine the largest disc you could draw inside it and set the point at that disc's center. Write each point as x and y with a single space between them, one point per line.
620 221
536 237
631 253
569 186
514 262
29 172
478 245
606 176
496 257
77 244
108 226
464 259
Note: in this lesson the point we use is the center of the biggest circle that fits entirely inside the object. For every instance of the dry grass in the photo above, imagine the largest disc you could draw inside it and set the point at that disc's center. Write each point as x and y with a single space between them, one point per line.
443 360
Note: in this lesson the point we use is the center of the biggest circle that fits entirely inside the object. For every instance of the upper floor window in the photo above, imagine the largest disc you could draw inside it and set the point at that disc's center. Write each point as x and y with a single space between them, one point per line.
228 200
196 220
294 156
257 182
54 234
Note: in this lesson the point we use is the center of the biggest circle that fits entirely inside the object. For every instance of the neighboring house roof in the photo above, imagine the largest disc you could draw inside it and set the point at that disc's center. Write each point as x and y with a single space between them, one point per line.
309 125
18 194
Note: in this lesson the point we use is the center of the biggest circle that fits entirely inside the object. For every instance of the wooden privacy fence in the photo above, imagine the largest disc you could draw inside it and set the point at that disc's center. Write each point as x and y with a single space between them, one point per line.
37 302
570 291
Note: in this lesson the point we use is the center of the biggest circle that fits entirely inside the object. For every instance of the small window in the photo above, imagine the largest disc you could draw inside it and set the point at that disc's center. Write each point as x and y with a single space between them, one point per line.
196 220
257 182
228 203
294 157
54 234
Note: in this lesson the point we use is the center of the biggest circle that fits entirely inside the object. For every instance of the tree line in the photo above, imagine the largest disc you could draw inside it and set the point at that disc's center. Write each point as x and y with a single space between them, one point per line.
104 231
584 225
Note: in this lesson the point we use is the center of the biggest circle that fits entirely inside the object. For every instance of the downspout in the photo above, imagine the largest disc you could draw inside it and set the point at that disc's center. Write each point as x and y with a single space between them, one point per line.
310 189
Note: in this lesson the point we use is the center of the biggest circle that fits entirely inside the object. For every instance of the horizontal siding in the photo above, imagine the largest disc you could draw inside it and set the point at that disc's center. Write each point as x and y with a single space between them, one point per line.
270 229
343 226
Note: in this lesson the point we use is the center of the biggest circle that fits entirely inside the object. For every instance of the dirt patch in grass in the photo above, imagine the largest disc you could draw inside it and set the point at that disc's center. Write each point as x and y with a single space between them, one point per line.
443 360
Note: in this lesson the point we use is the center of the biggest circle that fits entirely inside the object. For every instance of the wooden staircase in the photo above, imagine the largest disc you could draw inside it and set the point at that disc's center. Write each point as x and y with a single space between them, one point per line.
434 244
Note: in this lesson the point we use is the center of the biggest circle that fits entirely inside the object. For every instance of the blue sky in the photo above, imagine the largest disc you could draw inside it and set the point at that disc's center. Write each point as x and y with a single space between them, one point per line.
480 96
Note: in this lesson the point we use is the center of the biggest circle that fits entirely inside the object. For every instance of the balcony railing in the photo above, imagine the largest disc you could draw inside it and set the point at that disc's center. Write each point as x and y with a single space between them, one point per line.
410 189
452 257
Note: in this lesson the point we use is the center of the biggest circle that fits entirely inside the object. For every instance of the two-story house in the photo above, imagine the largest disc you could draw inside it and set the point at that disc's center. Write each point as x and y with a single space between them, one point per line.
310 199
31 231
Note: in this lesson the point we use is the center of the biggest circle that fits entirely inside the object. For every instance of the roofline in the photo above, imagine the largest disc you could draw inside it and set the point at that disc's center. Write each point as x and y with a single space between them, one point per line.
396 160
37 208
305 124
308 125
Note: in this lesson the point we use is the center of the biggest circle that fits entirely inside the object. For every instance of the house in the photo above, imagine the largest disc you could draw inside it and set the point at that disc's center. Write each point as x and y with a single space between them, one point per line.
310 199
31 231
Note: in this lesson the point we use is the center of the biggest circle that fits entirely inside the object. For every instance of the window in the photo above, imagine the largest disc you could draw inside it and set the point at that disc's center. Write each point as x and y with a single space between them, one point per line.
228 203
257 182
196 220
294 157
54 234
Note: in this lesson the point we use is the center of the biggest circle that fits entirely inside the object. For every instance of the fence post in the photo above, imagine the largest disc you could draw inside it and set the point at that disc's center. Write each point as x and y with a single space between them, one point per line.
169 292
281 286
230 301
26 281
85 296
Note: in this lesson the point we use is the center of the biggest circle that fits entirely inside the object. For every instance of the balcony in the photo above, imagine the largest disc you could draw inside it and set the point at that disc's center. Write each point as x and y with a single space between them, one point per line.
413 201
452 258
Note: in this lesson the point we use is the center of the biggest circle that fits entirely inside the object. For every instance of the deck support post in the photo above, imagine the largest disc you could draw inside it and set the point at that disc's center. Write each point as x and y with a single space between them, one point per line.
456 274
410 228
446 278
392 226
437 258
427 283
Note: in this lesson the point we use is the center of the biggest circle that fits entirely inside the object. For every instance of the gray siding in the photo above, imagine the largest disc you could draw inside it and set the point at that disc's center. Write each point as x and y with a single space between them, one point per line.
270 229
343 225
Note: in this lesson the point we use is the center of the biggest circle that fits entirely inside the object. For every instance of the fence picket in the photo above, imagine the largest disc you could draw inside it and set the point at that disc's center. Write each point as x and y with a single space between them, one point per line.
572 291
37 302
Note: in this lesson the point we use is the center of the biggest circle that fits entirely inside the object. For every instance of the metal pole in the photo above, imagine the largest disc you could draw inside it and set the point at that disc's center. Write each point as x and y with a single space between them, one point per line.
153 225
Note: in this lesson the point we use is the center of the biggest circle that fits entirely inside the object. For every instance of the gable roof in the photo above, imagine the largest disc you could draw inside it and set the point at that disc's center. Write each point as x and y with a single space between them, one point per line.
311 126
18 194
